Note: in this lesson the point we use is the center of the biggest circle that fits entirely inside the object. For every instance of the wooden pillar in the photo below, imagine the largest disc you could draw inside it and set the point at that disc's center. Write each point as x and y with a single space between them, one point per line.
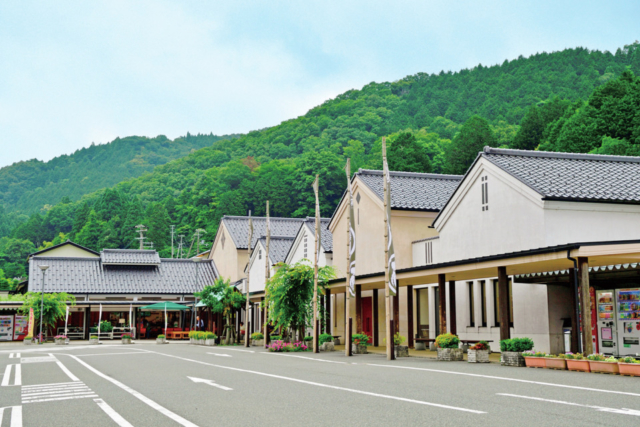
442 303
453 321
87 322
503 303
262 312
396 312
328 321
359 309
323 322
374 309
585 304
575 331
410 314
418 312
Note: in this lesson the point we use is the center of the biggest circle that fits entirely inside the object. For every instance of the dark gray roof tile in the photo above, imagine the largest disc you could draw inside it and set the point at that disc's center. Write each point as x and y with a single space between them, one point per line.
129 257
326 238
238 227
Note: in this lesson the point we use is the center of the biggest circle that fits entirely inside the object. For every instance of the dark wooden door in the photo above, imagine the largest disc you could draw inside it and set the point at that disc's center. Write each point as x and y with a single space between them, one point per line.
367 318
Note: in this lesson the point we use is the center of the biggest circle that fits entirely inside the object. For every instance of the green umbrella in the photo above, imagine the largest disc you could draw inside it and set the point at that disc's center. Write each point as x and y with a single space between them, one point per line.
165 306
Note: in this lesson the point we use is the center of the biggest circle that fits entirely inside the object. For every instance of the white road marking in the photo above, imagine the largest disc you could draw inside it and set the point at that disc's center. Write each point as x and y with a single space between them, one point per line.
80 388
305 357
209 382
6 376
14 355
235 349
221 355
67 371
37 359
112 354
62 391
177 418
626 393
622 411
62 398
46 385
18 376
350 390
16 416
17 379
112 413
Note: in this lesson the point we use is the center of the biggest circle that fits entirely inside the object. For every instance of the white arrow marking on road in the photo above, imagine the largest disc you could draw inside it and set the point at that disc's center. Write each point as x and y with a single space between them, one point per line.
210 382
221 355
623 411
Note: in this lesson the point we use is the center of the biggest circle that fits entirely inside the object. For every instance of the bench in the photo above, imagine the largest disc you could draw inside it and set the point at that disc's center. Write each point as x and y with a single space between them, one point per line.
423 341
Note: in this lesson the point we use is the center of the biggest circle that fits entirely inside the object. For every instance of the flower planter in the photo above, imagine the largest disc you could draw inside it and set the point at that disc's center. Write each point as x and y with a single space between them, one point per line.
511 358
61 342
535 362
632 369
258 343
402 351
478 356
94 341
126 341
578 365
556 363
328 346
336 341
161 341
604 367
27 342
210 342
358 348
420 346
450 354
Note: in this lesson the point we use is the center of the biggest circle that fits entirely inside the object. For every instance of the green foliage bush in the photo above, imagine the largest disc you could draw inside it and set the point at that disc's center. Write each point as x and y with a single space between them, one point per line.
516 344
323 338
275 337
210 336
106 326
447 340
161 337
256 336
362 339
307 338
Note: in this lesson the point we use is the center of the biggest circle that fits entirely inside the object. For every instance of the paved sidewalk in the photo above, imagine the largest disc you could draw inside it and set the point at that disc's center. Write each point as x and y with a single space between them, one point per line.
493 357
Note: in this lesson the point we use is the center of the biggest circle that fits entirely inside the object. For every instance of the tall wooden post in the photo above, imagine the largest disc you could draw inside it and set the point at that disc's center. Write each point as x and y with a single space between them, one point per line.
328 321
396 313
503 303
316 331
575 330
410 314
585 304
453 321
247 321
267 274
359 309
387 291
347 305
376 328
323 324
442 303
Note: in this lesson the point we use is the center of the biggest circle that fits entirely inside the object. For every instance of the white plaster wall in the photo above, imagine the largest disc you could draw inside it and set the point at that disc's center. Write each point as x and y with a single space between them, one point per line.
297 250
256 271
560 306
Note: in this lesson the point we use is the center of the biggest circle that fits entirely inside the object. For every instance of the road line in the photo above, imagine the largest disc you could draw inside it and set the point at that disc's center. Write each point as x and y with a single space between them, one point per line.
67 371
16 416
305 357
221 355
233 349
71 385
50 384
367 393
626 393
18 376
1 415
112 413
622 411
60 392
175 417
6 376
112 354
61 398
84 393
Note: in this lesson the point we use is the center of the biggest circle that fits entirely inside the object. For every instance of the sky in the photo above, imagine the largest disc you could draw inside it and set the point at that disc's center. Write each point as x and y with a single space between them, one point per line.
76 73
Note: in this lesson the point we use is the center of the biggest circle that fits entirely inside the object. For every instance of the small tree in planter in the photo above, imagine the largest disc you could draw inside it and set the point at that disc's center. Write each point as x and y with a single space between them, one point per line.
54 307
210 339
478 353
448 347
401 350
511 351
126 338
359 343
223 298
61 339
257 339
161 339
28 340
93 339
326 342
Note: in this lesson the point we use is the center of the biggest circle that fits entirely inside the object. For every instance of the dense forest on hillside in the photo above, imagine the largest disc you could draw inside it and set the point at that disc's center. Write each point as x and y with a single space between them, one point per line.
574 100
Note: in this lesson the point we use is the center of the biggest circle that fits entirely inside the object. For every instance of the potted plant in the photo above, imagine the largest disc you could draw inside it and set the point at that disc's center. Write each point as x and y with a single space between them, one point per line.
448 346
401 350
126 338
629 366
28 340
93 339
535 359
257 339
308 341
359 343
511 351
577 362
326 342
210 339
60 339
478 353
600 363
558 362
161 339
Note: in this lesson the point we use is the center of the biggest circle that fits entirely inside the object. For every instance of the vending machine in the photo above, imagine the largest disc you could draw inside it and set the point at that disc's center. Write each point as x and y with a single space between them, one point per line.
607 322
6 328
628 321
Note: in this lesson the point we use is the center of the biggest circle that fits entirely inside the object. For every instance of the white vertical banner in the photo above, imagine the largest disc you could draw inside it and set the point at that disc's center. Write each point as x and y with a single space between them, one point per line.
165 320
130 319
66 321
99 320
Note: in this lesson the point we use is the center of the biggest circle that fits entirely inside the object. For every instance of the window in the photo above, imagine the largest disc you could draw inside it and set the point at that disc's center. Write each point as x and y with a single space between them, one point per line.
259 253
485 193
305 247
472 311
428 252
483 297
496 303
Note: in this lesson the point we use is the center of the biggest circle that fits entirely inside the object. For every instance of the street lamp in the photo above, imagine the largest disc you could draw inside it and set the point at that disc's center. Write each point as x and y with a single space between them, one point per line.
43 268
193 316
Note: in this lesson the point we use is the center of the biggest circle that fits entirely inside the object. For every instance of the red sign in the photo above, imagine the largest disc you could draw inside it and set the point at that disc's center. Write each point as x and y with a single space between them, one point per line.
594 319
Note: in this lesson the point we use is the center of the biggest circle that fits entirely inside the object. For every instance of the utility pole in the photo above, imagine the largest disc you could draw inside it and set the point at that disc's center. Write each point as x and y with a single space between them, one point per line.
181 243
173 231
266 279
246 290
198 231
141 229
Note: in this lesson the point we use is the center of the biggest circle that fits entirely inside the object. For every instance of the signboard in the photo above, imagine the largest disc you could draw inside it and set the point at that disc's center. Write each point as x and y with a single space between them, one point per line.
20 327
31 319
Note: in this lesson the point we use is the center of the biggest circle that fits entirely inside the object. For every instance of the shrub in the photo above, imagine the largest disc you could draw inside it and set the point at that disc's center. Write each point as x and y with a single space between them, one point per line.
516 344
276 346
60 337
362 339
257 336
628 359
447 341
308 338
161 336
93 337
596 357
127 336
296 347
323 338
210 336
275 337
534 354
482 345
200 335
611 359
28 337
399 339
192 334
571 356
105 326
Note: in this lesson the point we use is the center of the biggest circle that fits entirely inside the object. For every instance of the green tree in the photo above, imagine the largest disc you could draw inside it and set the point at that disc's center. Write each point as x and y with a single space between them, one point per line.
406 154
531 129
473 137
91 234
222 297
81 218
54 308
158 223
289 294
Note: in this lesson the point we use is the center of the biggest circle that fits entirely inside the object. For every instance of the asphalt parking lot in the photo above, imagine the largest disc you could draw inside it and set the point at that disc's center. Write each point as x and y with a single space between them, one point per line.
179 384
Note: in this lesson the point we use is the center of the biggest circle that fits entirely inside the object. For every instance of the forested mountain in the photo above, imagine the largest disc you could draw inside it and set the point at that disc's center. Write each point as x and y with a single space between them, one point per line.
29 185
577 100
